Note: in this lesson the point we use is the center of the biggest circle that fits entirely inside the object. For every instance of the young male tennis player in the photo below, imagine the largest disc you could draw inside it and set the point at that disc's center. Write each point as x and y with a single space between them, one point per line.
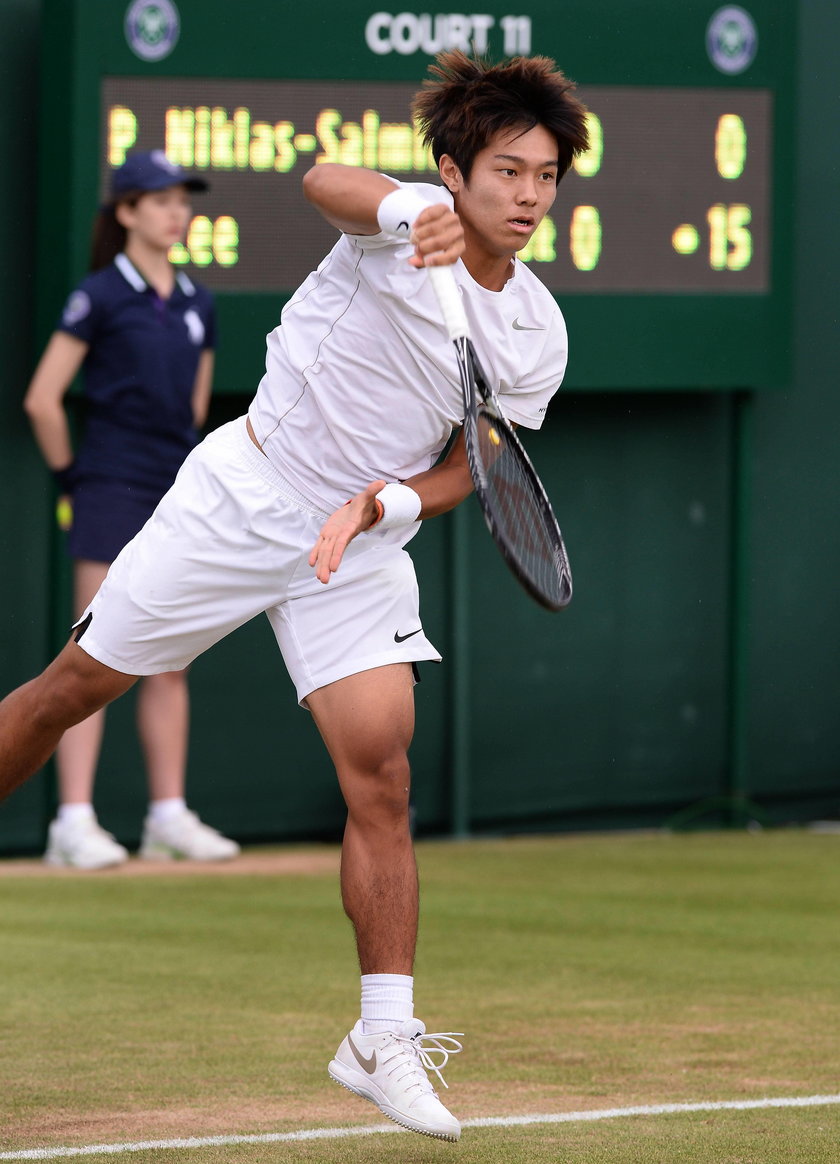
303 508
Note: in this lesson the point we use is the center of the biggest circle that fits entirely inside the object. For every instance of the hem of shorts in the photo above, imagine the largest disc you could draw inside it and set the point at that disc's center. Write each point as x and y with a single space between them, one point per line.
357 666
92 648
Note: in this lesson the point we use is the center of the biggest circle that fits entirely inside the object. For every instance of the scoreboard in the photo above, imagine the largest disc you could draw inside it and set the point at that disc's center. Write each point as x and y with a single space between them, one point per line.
668 247
645 209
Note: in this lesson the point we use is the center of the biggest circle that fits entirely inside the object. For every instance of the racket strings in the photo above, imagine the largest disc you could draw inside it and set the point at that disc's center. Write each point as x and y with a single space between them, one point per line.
520 511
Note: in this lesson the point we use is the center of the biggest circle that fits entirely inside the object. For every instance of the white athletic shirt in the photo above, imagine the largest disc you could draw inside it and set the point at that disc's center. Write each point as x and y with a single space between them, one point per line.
361 380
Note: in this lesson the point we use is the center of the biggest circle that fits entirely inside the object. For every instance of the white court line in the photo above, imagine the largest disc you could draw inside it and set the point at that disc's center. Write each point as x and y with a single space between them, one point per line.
566 1117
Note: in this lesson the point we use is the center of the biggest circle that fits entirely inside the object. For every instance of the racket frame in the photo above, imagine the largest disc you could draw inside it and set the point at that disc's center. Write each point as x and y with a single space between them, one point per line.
475 384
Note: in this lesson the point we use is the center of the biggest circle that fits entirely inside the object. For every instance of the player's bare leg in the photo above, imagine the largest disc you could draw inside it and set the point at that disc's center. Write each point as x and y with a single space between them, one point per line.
35 716
367 722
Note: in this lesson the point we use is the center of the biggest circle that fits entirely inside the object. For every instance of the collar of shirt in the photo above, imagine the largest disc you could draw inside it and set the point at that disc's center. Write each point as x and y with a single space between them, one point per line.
133 277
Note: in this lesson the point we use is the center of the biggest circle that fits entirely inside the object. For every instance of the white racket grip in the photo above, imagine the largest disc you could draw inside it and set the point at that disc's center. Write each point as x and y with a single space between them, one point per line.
449 298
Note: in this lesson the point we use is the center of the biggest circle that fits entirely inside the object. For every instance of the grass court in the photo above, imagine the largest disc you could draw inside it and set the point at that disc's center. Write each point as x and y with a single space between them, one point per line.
590 974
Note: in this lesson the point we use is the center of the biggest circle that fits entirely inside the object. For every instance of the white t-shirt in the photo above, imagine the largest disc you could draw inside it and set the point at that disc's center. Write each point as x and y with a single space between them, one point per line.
361 380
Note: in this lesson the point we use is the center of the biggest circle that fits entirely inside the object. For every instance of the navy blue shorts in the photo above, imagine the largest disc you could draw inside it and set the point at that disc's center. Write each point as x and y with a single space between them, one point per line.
106 516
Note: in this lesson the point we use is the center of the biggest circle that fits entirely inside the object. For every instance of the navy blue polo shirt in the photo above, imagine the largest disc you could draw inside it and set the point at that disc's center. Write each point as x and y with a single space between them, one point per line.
139 373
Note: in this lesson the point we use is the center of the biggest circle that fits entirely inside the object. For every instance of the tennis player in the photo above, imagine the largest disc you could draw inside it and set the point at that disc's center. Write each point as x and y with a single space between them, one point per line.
303 508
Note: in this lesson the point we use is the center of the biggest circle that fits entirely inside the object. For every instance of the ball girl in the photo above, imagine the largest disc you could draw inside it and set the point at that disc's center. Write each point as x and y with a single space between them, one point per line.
142 334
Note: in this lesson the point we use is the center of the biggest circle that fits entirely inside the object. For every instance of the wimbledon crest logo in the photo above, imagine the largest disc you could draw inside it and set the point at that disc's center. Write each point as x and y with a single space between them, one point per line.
731 39
152 28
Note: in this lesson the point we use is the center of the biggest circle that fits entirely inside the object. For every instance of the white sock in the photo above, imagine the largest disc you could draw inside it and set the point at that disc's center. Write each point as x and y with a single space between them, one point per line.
387 1001
164 810
75 813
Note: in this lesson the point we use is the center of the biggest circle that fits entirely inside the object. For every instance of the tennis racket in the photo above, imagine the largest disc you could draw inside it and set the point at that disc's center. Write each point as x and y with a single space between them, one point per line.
512 498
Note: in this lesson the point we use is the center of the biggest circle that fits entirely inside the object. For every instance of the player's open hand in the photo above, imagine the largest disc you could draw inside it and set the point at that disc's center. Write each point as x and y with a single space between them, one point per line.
438 237
340 528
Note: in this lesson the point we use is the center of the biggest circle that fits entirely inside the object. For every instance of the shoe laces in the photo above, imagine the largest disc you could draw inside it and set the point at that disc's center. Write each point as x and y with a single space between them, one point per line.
425 1046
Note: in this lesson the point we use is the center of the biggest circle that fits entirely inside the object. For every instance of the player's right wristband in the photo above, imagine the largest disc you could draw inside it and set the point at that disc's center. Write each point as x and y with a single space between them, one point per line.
65 478
398 505
398 211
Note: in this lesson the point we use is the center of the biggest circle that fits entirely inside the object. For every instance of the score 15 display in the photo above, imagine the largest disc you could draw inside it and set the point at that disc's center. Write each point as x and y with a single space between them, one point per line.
672 196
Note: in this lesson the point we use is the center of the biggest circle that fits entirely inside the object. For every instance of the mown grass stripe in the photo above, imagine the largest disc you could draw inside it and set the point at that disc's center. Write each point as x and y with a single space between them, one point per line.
378 1129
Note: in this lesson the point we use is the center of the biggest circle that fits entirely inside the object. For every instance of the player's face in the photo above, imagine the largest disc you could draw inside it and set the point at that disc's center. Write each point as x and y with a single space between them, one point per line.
512 185
159 218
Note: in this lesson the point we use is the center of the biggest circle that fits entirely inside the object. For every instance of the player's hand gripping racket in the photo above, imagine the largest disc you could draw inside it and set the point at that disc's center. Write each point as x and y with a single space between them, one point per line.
515 505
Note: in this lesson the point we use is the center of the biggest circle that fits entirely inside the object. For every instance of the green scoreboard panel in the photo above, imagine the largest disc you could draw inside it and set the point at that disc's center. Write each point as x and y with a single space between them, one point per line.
668 247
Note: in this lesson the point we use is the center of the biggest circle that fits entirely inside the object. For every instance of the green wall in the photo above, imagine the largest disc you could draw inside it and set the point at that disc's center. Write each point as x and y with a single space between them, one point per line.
794 629
699 655
25 499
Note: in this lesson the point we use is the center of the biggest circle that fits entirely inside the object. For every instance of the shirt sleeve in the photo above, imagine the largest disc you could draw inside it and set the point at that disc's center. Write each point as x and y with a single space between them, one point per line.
82 312
526 402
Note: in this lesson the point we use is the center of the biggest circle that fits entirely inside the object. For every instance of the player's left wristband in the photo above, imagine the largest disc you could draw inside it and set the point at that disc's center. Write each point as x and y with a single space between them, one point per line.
396 505
397 212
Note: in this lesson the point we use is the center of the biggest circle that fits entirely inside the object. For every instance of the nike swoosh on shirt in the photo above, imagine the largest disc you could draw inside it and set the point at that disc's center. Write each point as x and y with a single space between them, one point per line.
398 638
368 1064
517 326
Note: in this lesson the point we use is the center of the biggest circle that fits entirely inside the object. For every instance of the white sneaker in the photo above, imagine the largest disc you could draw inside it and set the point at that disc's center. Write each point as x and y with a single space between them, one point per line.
184 838
82 844
390 1070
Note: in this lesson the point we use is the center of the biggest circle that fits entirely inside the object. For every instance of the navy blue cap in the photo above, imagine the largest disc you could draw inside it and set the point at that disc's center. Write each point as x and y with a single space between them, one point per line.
152 170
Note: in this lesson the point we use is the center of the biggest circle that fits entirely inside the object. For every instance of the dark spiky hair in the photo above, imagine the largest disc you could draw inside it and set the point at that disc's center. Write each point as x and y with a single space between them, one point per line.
468 100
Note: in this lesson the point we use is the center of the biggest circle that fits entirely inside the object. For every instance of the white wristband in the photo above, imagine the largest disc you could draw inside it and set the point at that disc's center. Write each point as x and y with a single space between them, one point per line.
400 506
397 212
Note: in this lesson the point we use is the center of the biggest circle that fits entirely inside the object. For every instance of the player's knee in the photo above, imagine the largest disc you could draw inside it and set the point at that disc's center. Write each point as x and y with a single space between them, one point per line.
380 793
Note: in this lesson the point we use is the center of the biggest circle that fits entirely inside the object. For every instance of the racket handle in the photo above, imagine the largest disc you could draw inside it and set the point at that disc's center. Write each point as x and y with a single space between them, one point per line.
449 298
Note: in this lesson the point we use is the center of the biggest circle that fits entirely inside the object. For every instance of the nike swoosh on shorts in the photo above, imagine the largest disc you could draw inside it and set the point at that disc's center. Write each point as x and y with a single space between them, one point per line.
398 638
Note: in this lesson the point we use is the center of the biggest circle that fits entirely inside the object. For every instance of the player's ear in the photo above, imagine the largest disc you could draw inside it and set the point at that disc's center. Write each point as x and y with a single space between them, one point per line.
450 174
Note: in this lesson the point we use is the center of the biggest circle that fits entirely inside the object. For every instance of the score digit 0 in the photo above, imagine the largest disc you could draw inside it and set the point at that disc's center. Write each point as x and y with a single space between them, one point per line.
730 146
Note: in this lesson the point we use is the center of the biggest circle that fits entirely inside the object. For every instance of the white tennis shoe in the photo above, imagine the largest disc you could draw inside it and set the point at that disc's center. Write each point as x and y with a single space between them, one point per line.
184 838
390 1069
82 844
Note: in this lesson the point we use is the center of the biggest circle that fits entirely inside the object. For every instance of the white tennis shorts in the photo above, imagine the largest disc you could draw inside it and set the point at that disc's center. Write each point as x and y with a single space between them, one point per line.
230 540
